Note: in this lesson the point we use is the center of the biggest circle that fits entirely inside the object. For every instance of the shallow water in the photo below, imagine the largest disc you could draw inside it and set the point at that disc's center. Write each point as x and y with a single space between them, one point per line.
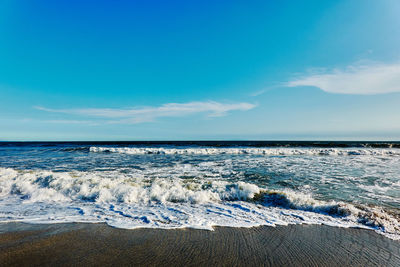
200 185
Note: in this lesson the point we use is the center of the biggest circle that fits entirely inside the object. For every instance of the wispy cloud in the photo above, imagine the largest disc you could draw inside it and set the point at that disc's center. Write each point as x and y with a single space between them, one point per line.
147 114
86 122
69 122
266 89
355 79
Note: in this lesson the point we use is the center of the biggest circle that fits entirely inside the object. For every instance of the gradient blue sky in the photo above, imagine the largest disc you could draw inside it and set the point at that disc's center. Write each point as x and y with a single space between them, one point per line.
145 70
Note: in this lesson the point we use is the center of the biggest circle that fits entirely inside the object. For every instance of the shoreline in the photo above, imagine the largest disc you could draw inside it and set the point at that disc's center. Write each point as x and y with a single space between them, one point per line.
23 244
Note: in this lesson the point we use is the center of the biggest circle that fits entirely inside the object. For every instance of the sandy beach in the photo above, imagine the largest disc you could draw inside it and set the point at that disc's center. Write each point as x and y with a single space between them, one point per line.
81 244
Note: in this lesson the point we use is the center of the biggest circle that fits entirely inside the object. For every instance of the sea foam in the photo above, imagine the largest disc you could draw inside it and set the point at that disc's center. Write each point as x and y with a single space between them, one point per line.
249 150
133 200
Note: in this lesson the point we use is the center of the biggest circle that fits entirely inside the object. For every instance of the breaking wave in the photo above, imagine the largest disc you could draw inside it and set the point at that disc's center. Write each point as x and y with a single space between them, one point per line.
129 200
249 150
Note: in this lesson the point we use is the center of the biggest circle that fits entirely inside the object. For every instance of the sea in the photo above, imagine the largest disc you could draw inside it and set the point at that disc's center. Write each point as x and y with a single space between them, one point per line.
203 184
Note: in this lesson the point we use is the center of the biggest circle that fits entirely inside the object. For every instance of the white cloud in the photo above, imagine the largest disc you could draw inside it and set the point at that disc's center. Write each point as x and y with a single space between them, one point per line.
357 79
146 114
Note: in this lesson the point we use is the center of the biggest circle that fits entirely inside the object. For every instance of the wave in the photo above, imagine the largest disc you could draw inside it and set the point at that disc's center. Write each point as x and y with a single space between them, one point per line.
317 144
73 149
375 217
248 150
129 200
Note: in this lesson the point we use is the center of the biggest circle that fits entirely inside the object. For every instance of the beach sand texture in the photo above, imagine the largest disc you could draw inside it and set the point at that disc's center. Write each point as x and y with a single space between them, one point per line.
80 244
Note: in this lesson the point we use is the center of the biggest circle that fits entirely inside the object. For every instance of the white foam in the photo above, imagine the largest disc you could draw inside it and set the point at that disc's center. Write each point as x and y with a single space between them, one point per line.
132 200
250 150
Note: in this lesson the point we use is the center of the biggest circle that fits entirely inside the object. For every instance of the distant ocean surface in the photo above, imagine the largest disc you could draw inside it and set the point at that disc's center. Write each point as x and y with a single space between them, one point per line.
203 184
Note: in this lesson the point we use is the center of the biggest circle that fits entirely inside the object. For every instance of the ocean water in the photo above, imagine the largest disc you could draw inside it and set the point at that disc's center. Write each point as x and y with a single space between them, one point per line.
203 184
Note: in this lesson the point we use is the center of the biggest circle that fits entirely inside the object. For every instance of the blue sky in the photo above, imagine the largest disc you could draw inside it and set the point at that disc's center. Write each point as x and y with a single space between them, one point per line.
167 70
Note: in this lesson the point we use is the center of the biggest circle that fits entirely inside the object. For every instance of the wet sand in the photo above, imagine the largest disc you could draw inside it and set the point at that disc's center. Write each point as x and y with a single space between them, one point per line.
98 244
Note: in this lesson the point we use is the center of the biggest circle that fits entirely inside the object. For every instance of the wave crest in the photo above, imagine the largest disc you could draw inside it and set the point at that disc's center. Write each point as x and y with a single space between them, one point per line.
249 150
98 191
